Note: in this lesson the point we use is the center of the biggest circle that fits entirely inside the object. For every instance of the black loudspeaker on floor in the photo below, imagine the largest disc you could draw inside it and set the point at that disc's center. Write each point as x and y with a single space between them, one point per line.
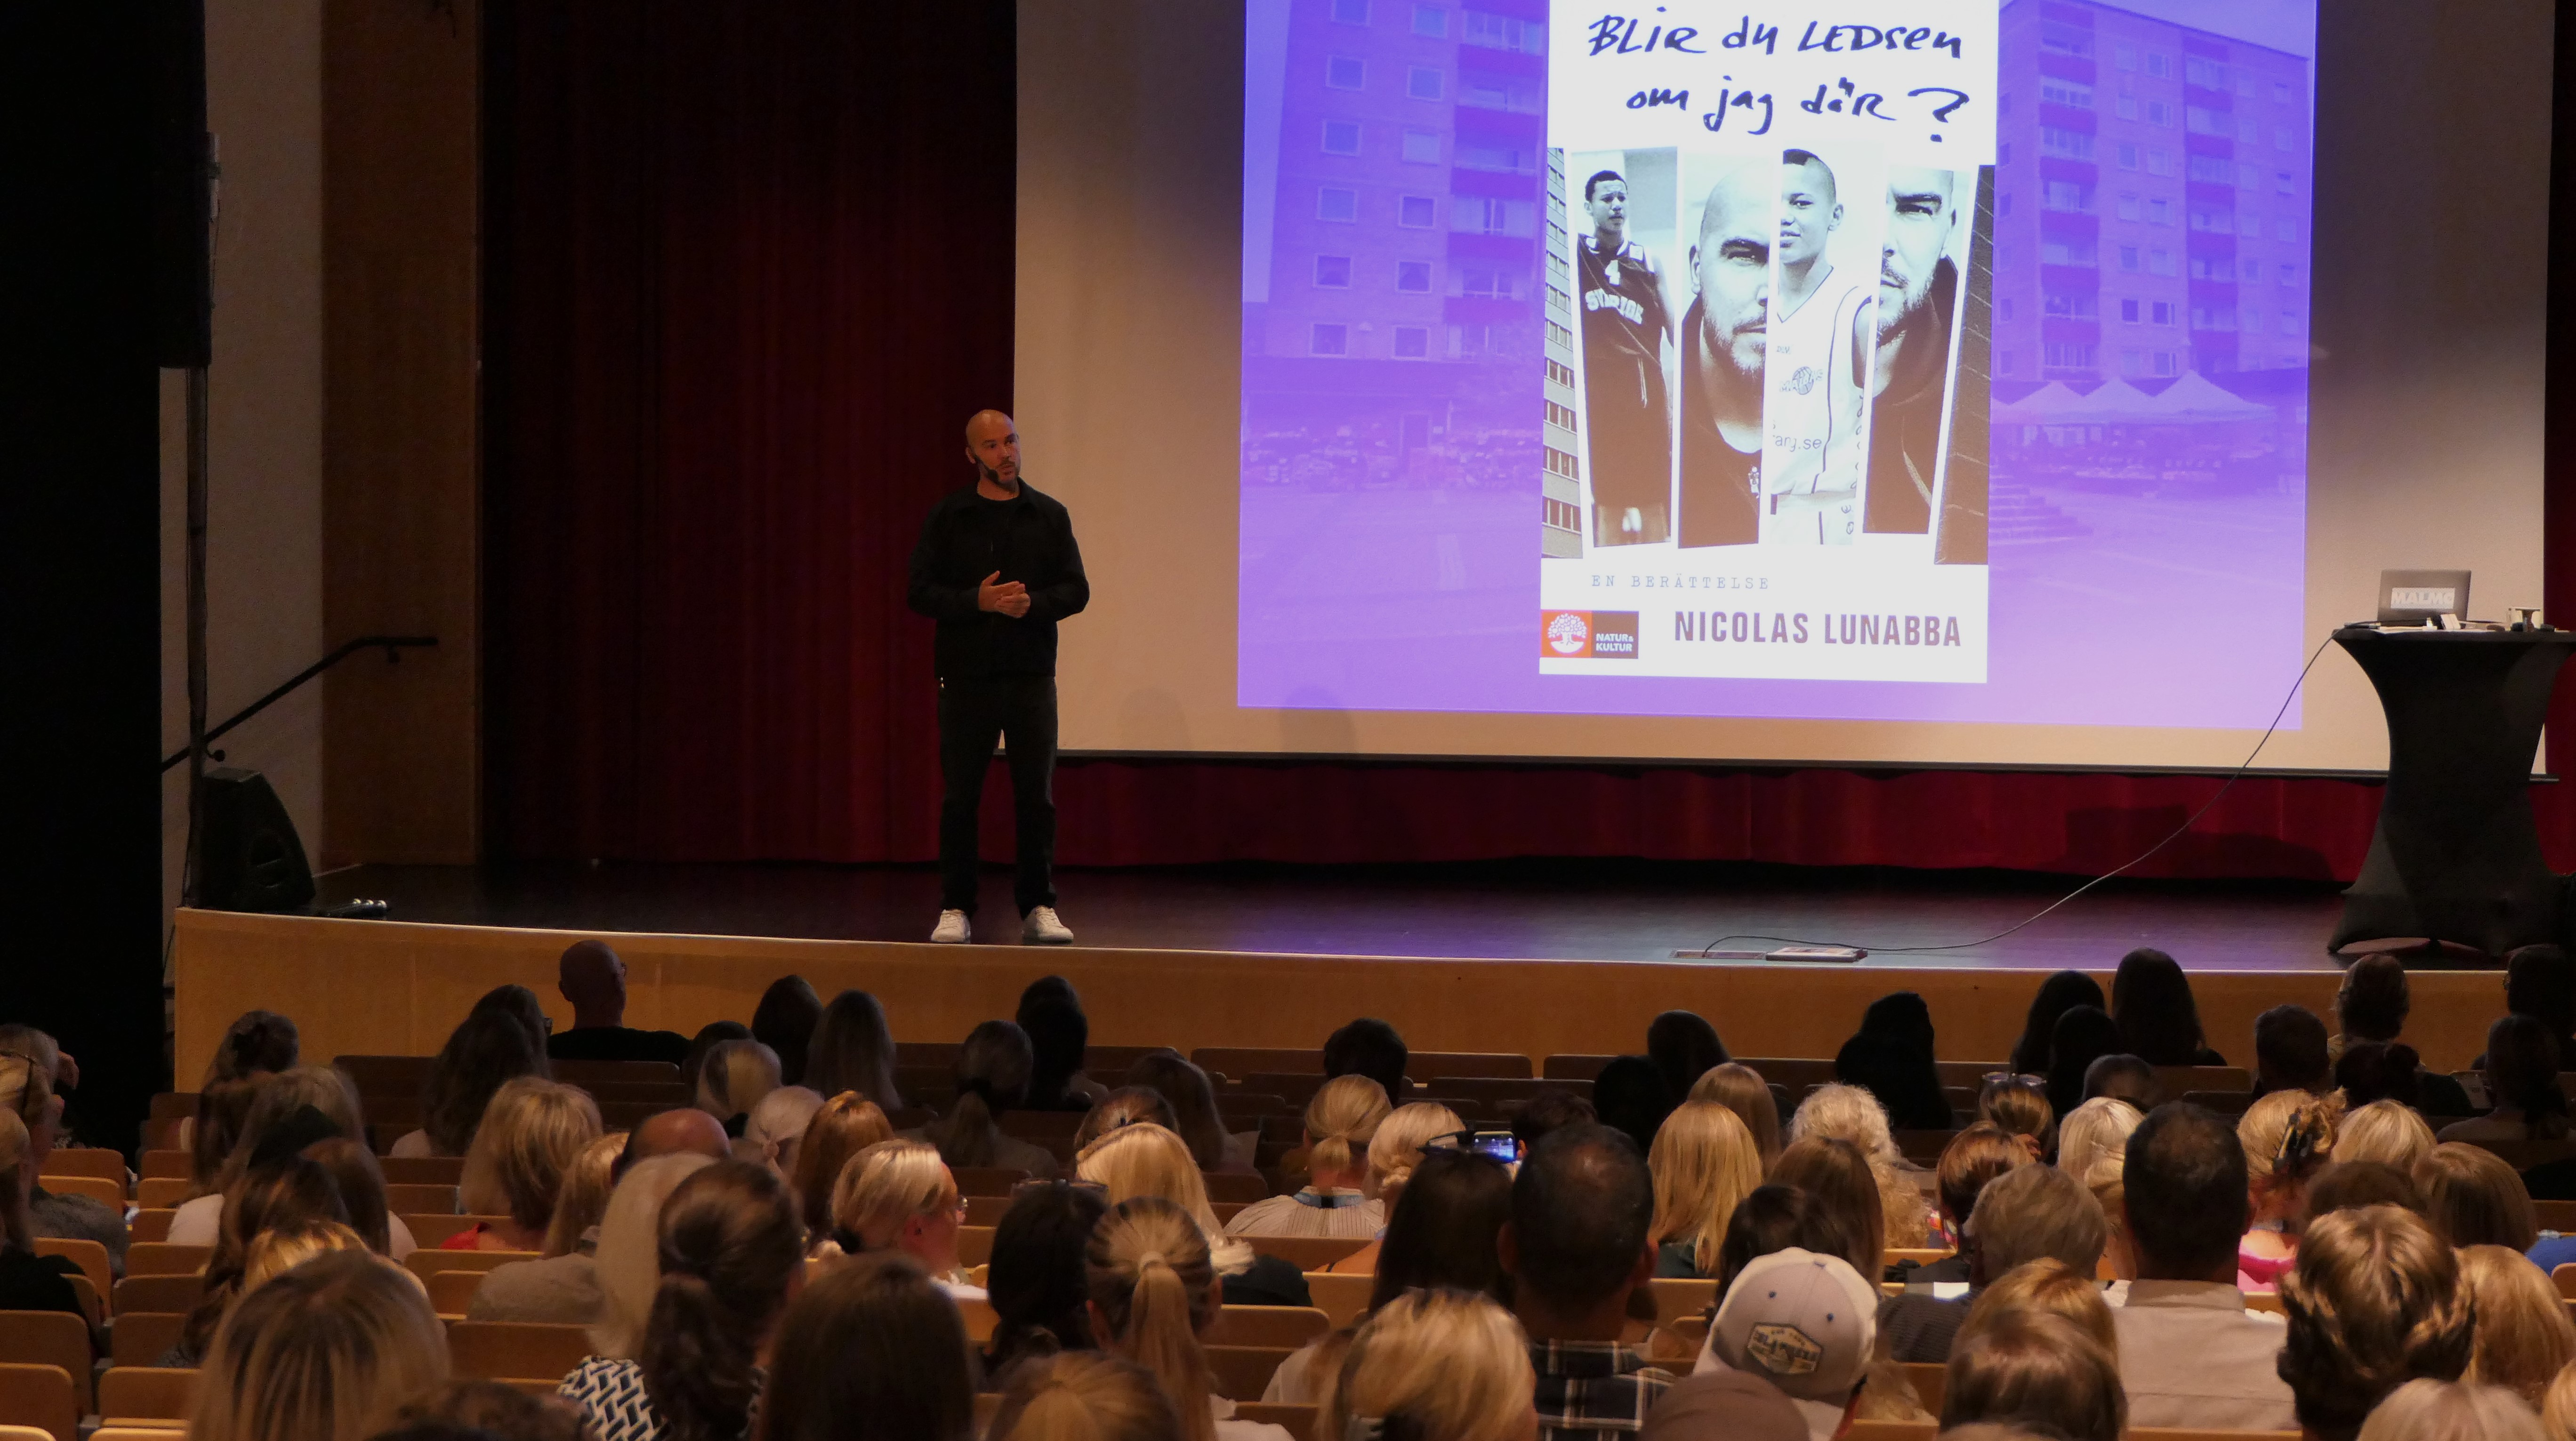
251 856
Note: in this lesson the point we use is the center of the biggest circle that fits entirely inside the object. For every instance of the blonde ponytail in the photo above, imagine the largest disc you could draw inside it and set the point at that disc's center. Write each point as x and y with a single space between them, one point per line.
1341 1121
1147 1270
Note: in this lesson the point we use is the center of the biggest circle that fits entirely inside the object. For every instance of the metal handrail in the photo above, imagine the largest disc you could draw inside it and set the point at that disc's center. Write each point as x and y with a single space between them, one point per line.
394 646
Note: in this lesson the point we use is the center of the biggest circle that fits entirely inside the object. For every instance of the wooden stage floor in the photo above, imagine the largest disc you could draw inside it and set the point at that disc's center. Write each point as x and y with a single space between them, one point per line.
1518 910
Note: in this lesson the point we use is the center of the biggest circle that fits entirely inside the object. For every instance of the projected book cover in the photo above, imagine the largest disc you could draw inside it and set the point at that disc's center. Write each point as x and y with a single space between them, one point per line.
1902 362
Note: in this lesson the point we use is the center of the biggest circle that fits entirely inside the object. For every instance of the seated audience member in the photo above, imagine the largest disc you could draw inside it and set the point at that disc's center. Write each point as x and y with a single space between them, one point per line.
1125 1107
1805 1323
561 1287
530 1136
472 1410
328 1351
1368 1047
223 1108
2290 1052
2371 1004
2083 1035
731 1253
733 1077
625 1268
2557 1409
2024 1215
870 1348
992 1077
2097 1131
591 976
2370 1071
1393 1154
2159 1021
2540 982
1891 1058
1059 1033
773 1129
1776 1218
846 1125
280 1101
2035 1368
2049 1285
501 1039
2348 1185
361 1183
1434 1366
680 1131
2473 1198
1441 1236
2452 1411
1186 1092
1974 1157
1549 1110
1722 1403
1704 1164
1143 1159
1684 1047
2374 1302
1340 1122
1837 1181
2521 1066
1849 1113
2521 1335
2384 1131
2190 1354
703 1044
256 1044
784 1022
1741 1089
28 1281
1153 1294
852 1050
899 1196
1575 1248
2124 1078
2288 1137
27 1091
286 1193
1083 1396
1628 1096
2018 1106
2063 991
278 1250
1036 1283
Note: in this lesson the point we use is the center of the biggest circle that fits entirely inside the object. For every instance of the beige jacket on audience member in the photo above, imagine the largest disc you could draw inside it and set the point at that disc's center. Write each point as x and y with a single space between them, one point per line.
2190 1356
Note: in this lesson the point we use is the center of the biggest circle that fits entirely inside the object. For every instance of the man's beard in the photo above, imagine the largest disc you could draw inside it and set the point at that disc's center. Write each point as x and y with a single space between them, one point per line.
1916 300
1722 344
988 473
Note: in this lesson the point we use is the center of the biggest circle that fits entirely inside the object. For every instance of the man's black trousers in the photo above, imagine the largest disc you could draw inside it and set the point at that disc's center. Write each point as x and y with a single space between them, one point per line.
1019 710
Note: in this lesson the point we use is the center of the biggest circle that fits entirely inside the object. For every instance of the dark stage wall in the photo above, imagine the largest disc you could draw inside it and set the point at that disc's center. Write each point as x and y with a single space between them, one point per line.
750 268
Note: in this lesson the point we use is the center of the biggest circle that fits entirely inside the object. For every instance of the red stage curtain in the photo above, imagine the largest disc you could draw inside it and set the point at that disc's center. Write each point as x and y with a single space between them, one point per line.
750 268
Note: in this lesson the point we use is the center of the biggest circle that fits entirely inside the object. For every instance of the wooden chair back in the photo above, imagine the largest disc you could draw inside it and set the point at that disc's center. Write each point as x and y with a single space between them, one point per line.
174 1106
1676 1298
1243 1372
1241 1061
96 1161
2564 1277
161 1193
1299 1420
1931 1382
429 1261
987 1180
1238 1187
143 1431
2267 1302
97 1188
168 1165
1424 1067
49 1338
164 1258
93 1302
974 1245
413 1198
1289 1326
423 1170
40 1396
451 1293
143 1394
980 1319
166 1294
431 1231
151 1225
142 1338
1341 1298
90 1256
515 1350
1307 1253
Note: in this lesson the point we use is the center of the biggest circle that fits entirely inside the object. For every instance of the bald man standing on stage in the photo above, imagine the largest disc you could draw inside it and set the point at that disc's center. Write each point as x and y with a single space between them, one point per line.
997 568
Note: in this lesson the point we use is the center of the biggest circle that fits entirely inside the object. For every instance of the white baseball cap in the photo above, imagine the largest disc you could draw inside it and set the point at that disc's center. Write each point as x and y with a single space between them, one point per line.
1802 1321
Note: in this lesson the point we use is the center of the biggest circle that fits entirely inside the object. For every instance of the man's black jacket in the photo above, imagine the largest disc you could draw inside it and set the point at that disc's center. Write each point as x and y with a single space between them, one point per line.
1028 539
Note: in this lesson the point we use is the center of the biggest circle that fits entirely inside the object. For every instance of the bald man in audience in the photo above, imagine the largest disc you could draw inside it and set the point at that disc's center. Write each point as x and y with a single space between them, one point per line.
684 1130
2190 1355
1723 337
591 976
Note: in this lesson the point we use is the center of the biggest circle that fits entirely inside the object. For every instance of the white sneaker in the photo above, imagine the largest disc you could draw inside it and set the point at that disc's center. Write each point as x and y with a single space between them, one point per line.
953 929
1043 929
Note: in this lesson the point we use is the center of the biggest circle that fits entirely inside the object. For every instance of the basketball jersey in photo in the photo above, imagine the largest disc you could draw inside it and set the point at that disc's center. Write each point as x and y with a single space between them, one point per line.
1624 323
1811 411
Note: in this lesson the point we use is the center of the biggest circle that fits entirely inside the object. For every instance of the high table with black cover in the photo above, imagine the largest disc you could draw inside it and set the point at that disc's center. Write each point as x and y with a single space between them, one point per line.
2456 856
